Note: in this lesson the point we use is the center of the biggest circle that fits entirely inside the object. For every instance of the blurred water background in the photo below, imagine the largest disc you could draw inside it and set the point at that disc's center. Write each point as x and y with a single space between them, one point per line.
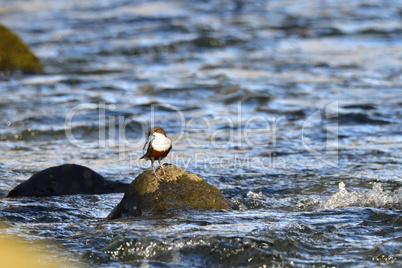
292 108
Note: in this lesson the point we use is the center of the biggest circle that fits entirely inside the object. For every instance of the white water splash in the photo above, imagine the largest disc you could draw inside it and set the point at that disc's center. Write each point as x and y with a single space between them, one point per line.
376 197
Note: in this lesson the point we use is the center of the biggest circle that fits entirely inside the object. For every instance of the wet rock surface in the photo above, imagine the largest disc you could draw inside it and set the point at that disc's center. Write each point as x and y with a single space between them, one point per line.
180 190
67 179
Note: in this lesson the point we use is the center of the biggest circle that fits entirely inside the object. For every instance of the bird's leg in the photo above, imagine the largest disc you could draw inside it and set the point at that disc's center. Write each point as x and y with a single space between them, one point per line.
153 168
164 173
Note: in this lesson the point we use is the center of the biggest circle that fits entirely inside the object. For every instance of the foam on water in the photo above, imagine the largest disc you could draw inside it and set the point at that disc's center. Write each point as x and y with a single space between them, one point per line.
376 197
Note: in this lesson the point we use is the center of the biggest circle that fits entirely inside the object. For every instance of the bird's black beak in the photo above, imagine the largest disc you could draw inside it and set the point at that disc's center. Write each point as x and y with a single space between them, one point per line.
148 134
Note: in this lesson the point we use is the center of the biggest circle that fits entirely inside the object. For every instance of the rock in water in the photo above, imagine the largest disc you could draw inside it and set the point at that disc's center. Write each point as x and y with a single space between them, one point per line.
67 179
180 190
15 55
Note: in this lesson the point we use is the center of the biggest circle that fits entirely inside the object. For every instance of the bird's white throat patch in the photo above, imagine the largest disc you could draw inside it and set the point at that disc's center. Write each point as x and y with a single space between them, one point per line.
161 142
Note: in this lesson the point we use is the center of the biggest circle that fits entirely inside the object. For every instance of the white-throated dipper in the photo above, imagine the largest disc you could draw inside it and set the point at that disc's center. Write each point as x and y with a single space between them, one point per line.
158 148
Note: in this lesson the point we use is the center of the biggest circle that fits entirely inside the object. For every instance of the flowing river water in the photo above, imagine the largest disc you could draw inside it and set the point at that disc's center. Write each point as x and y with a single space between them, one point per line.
293 109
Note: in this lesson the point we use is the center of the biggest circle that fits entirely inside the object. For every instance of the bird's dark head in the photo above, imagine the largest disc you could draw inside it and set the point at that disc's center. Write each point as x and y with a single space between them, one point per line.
156 130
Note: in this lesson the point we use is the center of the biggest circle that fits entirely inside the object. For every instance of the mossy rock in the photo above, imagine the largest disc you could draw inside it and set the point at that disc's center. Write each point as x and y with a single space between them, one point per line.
15 55
67 179
180 190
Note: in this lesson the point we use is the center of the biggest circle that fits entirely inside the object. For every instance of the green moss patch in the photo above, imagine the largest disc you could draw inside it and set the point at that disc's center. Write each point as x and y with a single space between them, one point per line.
180 190
15 55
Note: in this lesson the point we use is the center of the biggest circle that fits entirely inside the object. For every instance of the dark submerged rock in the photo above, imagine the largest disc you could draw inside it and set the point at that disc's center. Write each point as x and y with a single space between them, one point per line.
67 179
15 55
180 190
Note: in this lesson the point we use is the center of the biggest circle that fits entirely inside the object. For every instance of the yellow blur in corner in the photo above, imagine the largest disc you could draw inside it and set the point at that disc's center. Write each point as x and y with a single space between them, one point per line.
15 252
21 254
